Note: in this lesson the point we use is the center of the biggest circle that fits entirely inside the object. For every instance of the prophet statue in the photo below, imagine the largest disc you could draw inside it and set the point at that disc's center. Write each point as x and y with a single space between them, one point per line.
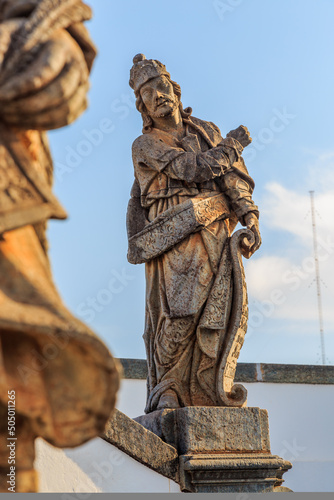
191 189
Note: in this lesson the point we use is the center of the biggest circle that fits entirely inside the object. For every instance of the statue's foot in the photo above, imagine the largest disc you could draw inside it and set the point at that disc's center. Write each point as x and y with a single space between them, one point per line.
168 400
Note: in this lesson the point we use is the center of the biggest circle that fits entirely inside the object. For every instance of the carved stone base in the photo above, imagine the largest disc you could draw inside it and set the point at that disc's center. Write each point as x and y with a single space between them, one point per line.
220 449
231 473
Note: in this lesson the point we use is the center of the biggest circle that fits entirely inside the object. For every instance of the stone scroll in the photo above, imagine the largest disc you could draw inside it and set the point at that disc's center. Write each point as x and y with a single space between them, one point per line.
231 394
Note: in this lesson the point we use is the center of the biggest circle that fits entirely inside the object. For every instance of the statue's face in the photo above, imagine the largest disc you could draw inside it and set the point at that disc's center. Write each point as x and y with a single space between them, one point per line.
158 97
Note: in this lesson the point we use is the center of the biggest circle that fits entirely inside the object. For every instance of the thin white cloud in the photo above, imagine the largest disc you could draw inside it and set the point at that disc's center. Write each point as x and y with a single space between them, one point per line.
265 274
282 285
288 210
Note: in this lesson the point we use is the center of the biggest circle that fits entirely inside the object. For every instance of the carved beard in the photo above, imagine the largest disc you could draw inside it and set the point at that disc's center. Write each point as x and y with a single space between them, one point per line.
159 113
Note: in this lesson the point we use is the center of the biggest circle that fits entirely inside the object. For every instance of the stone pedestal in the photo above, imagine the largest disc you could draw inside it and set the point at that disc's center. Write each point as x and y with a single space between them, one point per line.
220 449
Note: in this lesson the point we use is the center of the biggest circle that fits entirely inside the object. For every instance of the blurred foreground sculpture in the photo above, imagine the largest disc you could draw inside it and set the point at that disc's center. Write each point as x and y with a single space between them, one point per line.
57 379
191 189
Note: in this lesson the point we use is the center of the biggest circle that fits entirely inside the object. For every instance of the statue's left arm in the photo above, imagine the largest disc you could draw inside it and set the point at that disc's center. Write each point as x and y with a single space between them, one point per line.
238 186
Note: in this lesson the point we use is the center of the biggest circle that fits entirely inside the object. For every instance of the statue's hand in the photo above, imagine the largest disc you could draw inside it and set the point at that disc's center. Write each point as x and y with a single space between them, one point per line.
252 223
241 134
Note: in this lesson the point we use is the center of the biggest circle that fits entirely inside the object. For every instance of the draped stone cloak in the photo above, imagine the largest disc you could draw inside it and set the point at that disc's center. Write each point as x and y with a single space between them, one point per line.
189 288
64 377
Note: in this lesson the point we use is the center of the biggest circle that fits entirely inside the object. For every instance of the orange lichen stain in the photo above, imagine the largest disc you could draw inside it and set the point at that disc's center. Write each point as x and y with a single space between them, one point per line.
31 140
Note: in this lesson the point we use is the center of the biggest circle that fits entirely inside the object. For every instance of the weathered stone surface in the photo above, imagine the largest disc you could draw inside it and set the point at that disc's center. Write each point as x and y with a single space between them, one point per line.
232 473
134 368
142 445
137 369
245 372
220 449
248 372
176 223
226 450
191 188
210 429
297 374
213 429
157 423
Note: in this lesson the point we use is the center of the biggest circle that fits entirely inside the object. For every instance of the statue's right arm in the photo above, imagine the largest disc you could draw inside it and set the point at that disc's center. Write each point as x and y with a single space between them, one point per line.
150 153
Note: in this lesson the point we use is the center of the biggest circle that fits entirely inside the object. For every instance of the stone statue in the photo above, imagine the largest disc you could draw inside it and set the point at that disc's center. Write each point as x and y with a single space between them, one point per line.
57 379
191 188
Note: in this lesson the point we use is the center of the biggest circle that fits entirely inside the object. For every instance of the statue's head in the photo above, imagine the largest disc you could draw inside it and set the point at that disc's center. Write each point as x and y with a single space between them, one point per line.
157 95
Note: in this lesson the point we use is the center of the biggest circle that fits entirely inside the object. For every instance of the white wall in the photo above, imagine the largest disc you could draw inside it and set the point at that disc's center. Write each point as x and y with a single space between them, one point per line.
95 467
301 430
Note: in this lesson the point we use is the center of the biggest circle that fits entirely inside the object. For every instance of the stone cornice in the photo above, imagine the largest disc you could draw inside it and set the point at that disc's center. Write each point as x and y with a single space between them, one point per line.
253 372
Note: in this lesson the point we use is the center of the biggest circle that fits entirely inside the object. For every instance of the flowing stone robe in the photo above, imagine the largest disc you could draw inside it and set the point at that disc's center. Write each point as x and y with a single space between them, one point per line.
64 377
189 288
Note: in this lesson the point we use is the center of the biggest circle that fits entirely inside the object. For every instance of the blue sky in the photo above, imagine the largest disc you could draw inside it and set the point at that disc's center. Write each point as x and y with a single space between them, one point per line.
266 65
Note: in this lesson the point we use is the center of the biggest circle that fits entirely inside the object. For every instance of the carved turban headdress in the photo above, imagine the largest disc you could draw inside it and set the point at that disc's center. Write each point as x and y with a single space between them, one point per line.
144 70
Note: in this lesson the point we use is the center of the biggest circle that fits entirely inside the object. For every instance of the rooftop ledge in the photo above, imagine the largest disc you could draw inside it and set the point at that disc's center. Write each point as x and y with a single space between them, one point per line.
252 372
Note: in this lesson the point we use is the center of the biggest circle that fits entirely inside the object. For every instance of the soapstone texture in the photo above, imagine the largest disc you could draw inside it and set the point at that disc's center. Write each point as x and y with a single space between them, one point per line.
222 429
232 473
207 449
210 429
253 372
191 188
297 374
142 445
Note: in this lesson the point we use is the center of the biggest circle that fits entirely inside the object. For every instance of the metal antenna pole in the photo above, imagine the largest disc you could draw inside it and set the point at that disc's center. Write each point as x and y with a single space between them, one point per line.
317 279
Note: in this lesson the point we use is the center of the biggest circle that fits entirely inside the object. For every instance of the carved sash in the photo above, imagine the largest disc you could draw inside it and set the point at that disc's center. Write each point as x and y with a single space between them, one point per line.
175 224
